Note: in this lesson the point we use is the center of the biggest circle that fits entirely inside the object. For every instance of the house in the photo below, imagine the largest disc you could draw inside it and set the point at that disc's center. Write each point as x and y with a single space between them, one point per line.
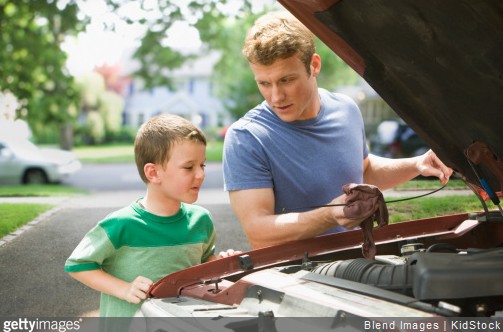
374 109
193 97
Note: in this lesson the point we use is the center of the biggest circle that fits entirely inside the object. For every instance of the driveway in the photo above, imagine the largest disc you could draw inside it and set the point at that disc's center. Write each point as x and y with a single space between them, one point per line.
32 278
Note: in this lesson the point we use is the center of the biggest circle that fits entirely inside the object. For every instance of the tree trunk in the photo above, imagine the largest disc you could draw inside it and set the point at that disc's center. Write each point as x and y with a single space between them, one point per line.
66 137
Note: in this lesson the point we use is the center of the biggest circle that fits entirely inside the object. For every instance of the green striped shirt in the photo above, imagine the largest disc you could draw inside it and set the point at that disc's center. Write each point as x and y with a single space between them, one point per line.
132 242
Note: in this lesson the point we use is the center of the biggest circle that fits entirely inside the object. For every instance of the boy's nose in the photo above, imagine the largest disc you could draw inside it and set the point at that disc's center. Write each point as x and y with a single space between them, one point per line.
200 173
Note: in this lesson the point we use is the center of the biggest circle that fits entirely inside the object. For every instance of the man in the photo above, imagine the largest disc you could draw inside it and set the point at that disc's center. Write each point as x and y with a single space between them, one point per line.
302 144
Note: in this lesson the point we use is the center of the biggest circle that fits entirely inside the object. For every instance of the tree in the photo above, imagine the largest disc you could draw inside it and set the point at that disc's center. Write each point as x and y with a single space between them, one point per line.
157 60
232 76
33 63
223 29
100 107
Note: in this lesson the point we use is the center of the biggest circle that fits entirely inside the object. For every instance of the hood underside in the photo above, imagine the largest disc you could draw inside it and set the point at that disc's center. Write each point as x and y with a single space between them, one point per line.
437 63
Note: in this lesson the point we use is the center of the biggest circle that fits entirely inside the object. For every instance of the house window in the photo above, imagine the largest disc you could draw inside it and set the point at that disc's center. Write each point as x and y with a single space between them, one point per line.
191 86
141 118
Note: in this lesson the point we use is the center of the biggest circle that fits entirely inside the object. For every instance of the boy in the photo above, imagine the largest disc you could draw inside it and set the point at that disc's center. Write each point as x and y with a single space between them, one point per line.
158 234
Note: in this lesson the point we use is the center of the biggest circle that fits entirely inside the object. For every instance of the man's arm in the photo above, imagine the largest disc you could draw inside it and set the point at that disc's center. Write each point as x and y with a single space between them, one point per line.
255 210
387 173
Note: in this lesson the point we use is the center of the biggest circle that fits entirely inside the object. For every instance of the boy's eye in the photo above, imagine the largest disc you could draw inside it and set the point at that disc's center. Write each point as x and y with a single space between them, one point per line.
192 167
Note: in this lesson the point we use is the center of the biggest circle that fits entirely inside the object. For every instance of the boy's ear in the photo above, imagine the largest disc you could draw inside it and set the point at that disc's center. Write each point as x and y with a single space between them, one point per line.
151 173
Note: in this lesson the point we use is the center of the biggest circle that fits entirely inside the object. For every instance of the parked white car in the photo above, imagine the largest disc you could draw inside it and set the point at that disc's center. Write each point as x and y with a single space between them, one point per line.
21 161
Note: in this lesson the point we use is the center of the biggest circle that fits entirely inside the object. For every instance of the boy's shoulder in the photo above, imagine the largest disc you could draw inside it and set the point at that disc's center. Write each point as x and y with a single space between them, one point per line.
193 210
120 217
133 214
123 212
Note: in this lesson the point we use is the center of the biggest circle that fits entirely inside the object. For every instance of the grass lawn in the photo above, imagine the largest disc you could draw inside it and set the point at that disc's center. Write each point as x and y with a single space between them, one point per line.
105 154
15 215
431 184
45 190
125 153
426 207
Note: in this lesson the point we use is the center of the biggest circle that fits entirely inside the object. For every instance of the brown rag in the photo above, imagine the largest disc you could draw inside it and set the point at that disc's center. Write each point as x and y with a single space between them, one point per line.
366 201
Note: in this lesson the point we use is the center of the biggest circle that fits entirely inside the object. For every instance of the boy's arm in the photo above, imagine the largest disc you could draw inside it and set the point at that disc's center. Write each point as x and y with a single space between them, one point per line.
99 280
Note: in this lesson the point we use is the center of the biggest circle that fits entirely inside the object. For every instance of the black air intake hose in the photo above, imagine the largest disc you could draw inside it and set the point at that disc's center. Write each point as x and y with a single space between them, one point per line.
397 278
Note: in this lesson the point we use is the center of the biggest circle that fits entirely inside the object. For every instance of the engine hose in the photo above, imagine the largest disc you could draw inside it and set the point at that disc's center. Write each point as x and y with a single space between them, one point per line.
397 278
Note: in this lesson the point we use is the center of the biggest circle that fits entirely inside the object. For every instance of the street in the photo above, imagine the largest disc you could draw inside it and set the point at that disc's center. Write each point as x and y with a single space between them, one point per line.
33 280
120 177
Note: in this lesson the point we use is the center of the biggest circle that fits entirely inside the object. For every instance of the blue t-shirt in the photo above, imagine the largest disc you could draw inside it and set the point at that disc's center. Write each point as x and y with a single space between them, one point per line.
305 162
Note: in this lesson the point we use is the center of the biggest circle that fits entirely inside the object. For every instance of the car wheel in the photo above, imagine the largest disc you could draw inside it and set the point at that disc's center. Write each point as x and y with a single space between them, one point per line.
35 176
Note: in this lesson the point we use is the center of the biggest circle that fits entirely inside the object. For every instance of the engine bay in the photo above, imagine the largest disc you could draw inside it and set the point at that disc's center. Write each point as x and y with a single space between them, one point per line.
460 282
448 266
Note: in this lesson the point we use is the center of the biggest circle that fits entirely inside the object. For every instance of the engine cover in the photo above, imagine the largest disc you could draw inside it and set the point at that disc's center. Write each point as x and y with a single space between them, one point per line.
455 276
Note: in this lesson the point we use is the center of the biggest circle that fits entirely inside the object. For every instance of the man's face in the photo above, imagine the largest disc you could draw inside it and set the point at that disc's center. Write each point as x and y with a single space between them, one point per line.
287 87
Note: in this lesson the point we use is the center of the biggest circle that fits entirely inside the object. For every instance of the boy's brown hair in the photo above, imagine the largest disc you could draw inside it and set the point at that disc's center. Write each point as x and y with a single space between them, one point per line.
279 35
156 137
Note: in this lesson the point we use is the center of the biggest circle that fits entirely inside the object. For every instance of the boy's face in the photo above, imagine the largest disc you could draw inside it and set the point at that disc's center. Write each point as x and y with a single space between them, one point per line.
182 176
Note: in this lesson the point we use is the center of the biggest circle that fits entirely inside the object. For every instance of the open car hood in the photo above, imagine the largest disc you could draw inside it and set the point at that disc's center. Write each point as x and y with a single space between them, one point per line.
437 63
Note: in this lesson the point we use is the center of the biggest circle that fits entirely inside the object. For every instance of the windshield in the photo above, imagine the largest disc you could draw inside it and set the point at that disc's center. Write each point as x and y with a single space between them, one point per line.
23 148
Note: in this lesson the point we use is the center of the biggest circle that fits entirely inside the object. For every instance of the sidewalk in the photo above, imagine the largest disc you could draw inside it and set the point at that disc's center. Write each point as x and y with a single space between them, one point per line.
206 196
414 193
34 199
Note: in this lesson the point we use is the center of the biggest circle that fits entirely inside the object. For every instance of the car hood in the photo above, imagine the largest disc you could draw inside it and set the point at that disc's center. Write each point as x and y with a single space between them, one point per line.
55 156
58 156
437 63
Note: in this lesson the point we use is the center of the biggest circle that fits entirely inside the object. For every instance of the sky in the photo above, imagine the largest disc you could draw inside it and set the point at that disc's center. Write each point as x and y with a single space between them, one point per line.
96 47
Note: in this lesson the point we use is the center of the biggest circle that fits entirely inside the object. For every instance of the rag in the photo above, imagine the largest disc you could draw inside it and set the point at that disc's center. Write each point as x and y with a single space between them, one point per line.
366 201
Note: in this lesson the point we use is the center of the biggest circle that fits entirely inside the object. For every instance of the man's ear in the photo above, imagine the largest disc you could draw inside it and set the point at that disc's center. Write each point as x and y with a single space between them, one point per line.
315 65
151 173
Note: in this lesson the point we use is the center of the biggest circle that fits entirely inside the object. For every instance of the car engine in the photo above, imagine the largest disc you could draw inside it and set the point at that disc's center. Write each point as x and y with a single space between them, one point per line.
458 282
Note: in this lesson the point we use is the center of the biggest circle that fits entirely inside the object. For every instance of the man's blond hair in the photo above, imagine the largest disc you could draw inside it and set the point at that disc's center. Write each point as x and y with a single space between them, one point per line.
156 137
279 35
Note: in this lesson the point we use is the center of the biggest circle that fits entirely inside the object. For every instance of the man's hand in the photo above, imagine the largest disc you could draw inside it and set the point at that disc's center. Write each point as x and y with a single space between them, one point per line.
338 215
136 290
430 165
366 201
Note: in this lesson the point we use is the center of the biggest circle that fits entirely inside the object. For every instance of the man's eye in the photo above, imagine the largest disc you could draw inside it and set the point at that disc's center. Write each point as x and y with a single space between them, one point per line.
203 166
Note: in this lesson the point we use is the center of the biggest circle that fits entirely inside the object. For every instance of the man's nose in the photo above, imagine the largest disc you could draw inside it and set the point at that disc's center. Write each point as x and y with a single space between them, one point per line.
277 94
